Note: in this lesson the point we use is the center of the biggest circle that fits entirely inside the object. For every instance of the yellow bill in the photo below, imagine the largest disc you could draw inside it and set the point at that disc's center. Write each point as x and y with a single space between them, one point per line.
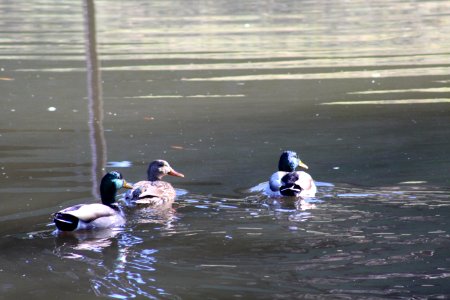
127 185
301 164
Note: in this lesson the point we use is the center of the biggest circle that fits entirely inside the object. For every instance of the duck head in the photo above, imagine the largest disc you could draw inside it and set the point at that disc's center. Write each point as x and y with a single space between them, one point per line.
110 184
160 168
289 161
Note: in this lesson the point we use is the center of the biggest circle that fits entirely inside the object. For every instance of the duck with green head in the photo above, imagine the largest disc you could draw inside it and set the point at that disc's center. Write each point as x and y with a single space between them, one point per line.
154 191
95 215
289 182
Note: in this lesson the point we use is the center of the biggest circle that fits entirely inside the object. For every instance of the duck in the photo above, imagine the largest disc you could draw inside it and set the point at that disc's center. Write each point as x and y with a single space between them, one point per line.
289 182
154 191
95 215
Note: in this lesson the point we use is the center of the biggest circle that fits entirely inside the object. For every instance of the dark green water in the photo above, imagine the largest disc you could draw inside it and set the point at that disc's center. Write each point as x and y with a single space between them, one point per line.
359 88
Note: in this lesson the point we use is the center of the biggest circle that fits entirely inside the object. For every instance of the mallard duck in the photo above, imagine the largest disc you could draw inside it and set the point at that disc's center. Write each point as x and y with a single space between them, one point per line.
96 215
288 182
154 191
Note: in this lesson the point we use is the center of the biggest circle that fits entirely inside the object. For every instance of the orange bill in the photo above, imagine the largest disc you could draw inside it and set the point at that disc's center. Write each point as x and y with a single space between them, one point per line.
175 173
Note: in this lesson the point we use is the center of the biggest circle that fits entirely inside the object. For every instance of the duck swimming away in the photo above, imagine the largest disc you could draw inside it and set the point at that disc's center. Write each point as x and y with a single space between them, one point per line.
154 191
288 182
96 215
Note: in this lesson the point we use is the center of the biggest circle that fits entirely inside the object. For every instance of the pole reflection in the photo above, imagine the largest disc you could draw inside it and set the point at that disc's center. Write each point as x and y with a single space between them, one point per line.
95 101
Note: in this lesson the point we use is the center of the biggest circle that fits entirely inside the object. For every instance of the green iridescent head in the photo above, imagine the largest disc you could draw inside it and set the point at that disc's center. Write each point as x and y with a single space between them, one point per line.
111 183
289 161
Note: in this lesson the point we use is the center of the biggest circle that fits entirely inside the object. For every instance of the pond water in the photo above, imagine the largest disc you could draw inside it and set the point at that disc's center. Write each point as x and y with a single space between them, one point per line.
219 88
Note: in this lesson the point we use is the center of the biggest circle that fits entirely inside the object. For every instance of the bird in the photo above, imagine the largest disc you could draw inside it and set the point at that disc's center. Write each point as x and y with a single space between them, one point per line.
95 215
154 191
289 182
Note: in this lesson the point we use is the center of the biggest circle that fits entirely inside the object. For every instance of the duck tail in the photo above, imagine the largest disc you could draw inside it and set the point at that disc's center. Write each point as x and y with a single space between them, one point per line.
290 190
65 222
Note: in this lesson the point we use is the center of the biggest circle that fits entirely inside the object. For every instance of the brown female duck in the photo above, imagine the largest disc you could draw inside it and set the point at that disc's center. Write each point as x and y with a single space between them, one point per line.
154 191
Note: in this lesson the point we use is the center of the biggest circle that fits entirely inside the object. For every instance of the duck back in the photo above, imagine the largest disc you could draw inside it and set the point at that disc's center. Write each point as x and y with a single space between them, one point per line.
290 186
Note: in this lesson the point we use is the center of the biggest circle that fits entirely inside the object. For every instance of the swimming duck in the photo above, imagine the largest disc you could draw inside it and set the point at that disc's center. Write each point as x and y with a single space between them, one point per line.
288 182
154 191
96 215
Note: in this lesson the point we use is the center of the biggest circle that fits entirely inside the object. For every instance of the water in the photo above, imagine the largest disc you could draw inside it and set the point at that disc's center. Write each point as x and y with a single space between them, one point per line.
219 88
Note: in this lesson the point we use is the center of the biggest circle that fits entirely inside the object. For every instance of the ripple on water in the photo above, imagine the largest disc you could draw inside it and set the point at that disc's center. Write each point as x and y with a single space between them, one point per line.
378 242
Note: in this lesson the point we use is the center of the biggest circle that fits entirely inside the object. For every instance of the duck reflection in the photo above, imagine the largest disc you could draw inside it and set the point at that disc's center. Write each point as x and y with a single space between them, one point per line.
117 266
291 203
90 240
166 217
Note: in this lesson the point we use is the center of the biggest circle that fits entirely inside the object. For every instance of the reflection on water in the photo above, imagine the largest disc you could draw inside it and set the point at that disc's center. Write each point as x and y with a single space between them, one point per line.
219 88
355 242
94 89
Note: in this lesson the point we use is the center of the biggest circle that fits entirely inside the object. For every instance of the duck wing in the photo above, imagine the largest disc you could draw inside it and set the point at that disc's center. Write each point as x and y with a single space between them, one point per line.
89 212
275 182
151 192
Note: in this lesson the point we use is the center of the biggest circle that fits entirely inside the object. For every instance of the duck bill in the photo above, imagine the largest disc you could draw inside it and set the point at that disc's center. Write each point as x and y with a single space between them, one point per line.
175 173
127 185
301 164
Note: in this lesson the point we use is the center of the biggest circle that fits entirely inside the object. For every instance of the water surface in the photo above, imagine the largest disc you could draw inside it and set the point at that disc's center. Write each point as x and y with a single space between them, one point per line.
219 88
